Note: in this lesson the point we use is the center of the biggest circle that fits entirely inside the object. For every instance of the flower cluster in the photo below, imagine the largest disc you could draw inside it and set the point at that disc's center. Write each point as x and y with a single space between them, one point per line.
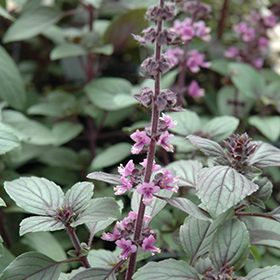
253 34
123 232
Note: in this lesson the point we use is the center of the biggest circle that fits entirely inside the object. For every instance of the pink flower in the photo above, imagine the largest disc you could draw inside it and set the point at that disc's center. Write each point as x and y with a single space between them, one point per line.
262 44
141 139
195 91
248 35
147 245
111 236
258 63
241 27
164 139
127 170
174 55
122 189
195 59
127 247
169 179
270 21
168 120
148 189
232 52
184 29
155 167
201 30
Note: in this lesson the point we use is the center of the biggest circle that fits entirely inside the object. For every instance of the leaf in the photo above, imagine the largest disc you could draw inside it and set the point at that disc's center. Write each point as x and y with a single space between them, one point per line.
187 206
269 126
6 259
35 195
105 177
186 170
12 86
187 122
265 155
98 209
32 265
78 196
31 23
220 128
4 13
102 258
45 243
119 31
46 109
2 202
65 131
166 270
257 236
221 187
106 49
230 245
110 93
267 273
8 139
67 50
92 274
220 66
95 3
112 155
208 147
100 225
39 223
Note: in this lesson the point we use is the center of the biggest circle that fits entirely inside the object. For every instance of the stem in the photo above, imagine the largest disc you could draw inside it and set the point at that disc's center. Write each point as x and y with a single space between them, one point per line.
263 215
115 268
222 20
150 156
74 238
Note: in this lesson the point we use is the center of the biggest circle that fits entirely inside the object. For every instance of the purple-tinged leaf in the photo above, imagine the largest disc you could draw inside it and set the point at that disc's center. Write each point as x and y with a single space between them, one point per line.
100 225
166 270
98 209
35 195
2 202
208 147
221 187
187 172
196 235
40 223
78 196
32 265
257 236
230 245
265 155
92 274
105 177
266 273
275 214
187 206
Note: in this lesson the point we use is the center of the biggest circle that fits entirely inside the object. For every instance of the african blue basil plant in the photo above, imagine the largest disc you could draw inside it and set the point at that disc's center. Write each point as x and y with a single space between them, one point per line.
217 236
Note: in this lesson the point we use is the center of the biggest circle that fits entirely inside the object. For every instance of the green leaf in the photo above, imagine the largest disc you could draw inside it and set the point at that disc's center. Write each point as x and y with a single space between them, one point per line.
102 258
220 128
67 50
230 245
98 209
8 139
4 13
186 170
269 126
166 270
246 79
45 243
187 206
221 187
267 273
46 109
12 86
79 195
111 156
100 225
32 265
220 66
187 122
2 202
6 259
35 195
106 49
31 23
120 30
94 3
110 93
105 177
92 274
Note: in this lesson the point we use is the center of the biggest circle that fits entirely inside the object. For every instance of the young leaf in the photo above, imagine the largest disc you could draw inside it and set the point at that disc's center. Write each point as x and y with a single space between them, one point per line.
208 147
32 265
67 50
79 195
105 177
166 270
221 187
187 206
12 87
230 245
267 273
186 170
92 274
35 195
265 155
98 209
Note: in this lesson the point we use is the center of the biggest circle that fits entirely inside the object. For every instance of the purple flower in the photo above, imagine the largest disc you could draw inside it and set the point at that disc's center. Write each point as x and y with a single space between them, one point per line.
262 44
155 167
248 35
141 139
258 63
195 59
111 236
147 245
232 52
148 189
164 139
270 21
202 31
194 90
241 27
174 55
169 179
168 120
184 29
122 189
127 247
127 170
